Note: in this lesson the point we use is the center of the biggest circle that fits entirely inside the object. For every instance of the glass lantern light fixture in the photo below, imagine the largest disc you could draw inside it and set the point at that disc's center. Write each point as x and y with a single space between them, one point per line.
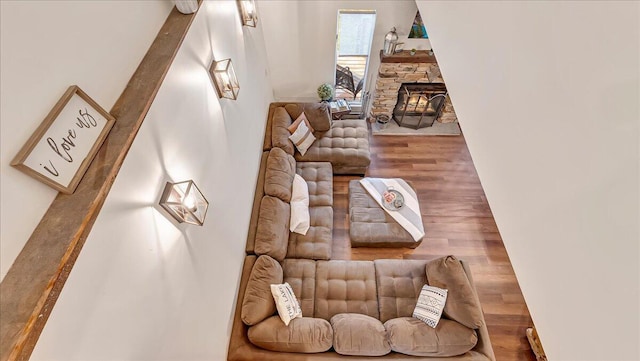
184 202
225 79
248 12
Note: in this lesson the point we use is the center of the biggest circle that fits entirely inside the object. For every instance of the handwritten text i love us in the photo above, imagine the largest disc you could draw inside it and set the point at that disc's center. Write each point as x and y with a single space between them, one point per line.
63 147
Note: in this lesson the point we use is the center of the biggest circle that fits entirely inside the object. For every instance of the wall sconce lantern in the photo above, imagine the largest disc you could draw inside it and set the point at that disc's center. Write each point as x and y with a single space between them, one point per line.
185 202
248 12
225 79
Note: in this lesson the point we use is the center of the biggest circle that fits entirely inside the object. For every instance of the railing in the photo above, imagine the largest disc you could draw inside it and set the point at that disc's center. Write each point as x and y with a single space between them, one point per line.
358 65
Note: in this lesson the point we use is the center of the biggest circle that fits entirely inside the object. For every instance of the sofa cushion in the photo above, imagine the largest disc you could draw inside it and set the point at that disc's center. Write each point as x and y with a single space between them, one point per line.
316 244
346 144
359 335
319 177
301 275
345 287
305 335
317 113
272 234
399 283
281 168
258 302
411 336
280 132
462 303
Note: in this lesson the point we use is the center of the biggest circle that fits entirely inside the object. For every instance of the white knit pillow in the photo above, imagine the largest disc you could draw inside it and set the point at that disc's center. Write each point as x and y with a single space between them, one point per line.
430 305
302 138
300 219
286 302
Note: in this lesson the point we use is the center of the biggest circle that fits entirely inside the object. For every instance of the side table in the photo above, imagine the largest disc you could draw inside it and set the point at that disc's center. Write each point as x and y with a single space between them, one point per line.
339 109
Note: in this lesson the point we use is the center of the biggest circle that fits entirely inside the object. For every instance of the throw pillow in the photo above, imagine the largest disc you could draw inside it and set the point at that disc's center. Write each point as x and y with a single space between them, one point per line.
430 305
302 138
463 306
300 218
286 302
302 118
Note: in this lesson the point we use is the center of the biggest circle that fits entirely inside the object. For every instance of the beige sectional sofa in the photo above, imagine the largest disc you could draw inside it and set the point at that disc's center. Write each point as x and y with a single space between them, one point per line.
357 308
343 143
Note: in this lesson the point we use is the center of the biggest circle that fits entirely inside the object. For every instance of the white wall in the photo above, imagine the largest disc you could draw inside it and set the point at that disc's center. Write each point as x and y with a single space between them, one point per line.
547 96
302 49
142 287
46 46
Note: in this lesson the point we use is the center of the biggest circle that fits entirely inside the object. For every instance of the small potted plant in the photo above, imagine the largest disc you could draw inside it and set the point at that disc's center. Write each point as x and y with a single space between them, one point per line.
413 51
325 92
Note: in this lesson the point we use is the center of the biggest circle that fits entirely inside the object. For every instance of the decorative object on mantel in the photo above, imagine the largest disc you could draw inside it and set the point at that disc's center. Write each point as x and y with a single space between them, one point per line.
59 152
413 52
184 202
186 6
390 41
225 79
248 14
325 92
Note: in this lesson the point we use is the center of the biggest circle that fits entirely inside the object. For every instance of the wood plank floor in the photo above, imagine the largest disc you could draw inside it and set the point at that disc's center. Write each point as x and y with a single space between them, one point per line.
457 221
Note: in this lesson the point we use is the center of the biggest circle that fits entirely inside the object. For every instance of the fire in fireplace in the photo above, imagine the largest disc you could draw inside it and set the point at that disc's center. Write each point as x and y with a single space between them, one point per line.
419 105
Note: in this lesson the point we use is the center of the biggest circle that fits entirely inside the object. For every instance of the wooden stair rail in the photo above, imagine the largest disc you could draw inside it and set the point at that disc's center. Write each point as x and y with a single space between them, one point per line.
31 287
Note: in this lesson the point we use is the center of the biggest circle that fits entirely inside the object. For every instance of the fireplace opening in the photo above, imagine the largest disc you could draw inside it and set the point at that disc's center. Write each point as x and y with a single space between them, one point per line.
419 105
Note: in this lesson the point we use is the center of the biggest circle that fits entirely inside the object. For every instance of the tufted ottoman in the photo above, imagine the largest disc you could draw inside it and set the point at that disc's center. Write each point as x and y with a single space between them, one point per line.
370 225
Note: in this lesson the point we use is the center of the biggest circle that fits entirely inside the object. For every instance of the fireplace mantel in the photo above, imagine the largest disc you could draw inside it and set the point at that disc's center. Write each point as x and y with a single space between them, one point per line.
421 56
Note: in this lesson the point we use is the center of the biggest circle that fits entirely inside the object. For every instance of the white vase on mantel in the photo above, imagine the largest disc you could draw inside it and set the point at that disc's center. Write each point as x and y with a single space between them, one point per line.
186 6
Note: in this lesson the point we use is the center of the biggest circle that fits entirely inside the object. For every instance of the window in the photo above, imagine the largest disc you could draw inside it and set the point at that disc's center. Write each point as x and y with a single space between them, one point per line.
353 47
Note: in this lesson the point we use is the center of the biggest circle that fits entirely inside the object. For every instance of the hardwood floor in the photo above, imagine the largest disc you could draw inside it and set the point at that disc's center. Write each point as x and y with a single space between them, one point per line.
457 220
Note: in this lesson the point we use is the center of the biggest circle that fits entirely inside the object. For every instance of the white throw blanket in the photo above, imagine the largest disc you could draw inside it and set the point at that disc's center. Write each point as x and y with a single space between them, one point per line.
409 216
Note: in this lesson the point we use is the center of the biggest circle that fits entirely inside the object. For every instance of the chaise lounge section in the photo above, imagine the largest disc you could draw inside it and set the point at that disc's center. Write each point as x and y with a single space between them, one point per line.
343 143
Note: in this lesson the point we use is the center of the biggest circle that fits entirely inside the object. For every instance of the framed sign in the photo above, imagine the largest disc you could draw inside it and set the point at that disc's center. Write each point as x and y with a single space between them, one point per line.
61 149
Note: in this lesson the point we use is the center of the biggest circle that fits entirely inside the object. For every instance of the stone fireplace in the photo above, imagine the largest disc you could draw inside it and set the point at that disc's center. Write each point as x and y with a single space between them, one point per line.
402 68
